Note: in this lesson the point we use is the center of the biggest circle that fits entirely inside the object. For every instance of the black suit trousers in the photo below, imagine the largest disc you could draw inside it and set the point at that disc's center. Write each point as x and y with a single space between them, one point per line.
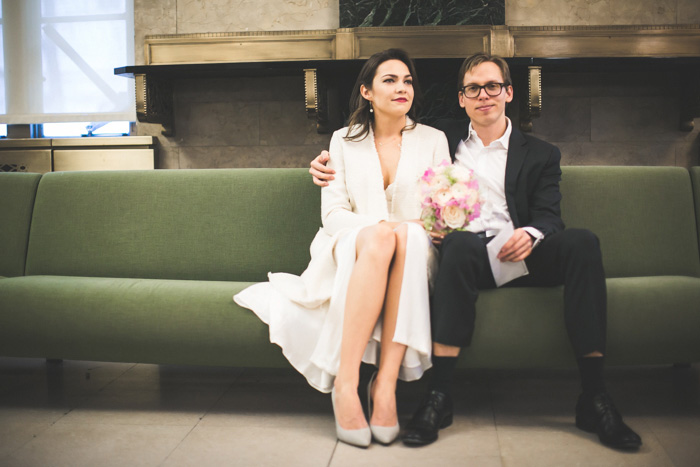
570 257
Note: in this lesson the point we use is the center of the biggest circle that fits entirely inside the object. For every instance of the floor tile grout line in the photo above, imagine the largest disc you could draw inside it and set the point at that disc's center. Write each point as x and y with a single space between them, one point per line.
34 436
179 443
330 461
85 398
64 411
659 442
199 420
493 417
495 389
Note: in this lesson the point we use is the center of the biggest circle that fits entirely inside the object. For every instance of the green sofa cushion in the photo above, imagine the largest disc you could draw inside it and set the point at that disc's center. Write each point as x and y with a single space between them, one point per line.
695 178
651 320
225 224
132 320
17 194
644 217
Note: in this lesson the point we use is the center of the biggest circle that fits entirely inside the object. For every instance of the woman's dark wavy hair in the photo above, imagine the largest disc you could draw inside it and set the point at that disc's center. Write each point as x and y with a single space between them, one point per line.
360 116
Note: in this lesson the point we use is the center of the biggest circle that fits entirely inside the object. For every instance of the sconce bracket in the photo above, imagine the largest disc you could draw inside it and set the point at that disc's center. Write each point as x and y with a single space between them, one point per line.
154 101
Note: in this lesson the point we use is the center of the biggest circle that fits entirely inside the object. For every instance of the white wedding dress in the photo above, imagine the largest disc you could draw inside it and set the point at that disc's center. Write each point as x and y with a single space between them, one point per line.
305 313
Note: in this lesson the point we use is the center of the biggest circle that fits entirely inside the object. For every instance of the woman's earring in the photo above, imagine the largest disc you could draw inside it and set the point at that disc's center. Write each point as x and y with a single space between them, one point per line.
371 110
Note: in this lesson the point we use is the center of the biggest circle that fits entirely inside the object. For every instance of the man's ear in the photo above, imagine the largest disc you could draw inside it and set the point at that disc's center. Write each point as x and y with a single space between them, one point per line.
460 98
509 93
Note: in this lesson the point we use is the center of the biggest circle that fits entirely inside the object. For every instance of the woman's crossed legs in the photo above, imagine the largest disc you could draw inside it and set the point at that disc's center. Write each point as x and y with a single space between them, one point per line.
375 285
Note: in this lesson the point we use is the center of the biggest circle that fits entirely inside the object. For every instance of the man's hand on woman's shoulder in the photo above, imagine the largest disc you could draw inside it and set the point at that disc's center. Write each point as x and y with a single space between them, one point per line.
320 172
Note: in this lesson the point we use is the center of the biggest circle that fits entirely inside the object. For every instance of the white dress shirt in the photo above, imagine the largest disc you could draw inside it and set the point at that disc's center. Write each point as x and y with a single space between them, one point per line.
489 166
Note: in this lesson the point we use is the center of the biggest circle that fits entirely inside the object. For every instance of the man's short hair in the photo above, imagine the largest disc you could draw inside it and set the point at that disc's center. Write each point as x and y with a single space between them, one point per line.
477 59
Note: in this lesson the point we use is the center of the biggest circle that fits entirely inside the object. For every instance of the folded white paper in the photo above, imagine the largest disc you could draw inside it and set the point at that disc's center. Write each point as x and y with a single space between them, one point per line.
504 271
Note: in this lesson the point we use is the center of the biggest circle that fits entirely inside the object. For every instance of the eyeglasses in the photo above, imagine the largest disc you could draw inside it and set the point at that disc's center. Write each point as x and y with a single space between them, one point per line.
472 91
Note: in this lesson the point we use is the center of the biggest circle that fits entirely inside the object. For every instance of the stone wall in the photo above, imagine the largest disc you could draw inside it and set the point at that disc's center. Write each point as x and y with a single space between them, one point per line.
597 118
616 119
236 122
607 118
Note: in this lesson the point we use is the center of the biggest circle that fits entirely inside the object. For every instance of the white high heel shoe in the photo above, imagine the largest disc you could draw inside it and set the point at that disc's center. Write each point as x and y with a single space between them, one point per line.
383 434
361 437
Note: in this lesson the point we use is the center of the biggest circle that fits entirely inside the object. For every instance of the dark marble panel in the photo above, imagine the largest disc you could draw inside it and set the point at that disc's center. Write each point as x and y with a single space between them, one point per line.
366 13
440 101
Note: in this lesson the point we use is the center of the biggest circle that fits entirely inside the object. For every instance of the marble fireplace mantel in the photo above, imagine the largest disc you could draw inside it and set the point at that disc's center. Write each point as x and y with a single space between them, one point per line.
324 56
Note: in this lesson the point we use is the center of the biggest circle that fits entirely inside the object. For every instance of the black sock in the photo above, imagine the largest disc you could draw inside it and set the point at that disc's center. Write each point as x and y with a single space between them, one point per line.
591 370
442 372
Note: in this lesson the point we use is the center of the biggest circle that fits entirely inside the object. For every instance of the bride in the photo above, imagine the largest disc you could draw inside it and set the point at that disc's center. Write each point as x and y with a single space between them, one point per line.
364 295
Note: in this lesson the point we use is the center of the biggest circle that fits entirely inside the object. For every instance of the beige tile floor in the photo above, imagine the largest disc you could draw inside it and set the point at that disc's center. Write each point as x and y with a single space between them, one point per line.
119 414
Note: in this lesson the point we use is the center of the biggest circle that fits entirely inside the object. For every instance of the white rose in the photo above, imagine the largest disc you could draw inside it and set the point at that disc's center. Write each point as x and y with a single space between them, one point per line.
442 197
461 173
454 217
437 184
459 191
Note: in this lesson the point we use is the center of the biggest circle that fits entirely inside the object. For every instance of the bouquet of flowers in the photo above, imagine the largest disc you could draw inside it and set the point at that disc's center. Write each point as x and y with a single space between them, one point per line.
449 198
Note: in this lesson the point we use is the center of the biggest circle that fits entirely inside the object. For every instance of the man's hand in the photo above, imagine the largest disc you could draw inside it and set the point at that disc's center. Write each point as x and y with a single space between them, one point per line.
517 248
436 237
319 171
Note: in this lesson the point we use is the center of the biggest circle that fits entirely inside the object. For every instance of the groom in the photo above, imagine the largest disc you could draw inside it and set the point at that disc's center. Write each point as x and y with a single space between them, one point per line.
519 181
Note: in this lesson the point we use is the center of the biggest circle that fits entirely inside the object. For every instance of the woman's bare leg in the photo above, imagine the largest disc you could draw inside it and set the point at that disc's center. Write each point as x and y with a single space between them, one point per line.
365 297
392 353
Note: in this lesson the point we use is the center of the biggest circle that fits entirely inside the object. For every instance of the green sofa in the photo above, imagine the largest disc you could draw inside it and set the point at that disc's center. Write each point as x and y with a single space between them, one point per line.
141 266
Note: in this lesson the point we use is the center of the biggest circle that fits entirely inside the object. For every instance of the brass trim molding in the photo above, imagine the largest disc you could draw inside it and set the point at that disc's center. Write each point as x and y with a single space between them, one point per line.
154 101
613 41
622 27
534 90
425 42
311 92
525 44
240 47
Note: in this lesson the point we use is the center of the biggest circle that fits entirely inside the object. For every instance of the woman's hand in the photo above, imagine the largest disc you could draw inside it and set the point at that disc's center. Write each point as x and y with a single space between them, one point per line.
320 172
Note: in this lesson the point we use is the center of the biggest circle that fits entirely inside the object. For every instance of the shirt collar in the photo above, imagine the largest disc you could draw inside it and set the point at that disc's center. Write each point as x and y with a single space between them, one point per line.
503 141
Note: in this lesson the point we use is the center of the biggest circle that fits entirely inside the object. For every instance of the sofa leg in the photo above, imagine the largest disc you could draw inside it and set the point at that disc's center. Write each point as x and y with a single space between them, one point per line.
681 365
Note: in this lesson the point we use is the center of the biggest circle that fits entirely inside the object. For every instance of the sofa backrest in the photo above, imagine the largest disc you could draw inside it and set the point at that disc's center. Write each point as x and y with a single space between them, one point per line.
221 224
17 193
644 217
695 179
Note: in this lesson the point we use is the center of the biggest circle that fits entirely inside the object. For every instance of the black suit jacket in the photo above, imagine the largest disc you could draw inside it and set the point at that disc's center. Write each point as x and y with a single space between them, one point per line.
532 179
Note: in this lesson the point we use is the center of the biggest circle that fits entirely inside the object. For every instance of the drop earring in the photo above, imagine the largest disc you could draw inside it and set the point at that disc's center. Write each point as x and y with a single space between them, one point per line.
371 110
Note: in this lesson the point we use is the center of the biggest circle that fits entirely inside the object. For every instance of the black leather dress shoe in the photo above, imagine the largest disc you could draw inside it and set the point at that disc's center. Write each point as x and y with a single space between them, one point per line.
434 413
599 415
